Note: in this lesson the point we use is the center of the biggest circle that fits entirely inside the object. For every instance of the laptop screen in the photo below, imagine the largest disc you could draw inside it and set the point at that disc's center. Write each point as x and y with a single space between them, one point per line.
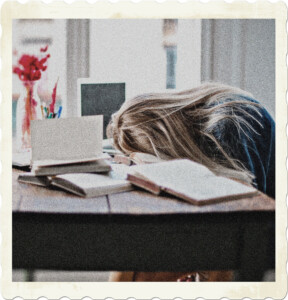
101 99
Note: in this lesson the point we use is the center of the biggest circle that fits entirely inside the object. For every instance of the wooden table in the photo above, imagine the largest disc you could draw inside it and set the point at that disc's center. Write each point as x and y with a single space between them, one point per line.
138 231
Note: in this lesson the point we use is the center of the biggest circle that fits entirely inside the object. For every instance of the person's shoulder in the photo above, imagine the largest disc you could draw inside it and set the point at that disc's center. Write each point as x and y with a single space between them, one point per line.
259 112
245 116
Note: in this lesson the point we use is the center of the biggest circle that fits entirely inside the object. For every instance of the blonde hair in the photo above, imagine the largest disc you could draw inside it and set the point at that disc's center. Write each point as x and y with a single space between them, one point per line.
181 125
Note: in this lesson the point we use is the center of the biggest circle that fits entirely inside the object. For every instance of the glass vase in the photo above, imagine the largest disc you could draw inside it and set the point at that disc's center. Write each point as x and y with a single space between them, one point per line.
28 109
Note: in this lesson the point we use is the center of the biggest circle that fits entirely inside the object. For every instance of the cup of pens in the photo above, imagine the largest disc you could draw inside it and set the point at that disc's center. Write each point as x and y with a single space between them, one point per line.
49 112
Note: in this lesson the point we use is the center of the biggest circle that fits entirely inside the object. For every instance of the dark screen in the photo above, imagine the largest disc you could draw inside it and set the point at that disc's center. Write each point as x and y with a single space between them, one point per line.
102 99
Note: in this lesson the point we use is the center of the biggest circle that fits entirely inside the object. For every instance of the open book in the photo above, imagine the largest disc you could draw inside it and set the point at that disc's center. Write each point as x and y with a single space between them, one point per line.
91 185
82 184
189 181
32 179
71 145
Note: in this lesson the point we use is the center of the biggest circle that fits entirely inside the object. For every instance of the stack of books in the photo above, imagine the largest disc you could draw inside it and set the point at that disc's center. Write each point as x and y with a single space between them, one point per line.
81 184
68 153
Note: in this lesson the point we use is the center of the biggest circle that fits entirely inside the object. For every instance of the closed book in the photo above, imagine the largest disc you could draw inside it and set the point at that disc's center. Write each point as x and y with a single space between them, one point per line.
188 181
96 166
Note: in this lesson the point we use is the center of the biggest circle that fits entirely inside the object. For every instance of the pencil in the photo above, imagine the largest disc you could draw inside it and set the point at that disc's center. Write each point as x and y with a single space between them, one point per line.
42 111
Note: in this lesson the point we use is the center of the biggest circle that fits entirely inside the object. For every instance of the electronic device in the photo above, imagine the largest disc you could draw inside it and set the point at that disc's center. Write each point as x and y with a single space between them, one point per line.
100 98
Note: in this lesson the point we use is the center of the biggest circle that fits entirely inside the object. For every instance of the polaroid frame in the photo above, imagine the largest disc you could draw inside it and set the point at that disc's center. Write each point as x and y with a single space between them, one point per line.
140 290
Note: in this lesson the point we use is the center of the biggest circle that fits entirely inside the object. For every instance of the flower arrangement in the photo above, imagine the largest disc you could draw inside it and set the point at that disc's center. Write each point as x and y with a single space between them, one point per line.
29 71
30 67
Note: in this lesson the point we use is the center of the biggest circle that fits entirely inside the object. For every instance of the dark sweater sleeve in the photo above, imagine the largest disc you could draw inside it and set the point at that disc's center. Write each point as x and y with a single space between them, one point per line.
254 148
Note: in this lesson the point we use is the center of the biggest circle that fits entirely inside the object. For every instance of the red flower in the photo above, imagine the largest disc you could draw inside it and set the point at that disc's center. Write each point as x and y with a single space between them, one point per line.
30 67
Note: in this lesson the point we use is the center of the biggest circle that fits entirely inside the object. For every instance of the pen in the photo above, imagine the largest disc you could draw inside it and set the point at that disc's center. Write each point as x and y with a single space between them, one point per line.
50 116
59 111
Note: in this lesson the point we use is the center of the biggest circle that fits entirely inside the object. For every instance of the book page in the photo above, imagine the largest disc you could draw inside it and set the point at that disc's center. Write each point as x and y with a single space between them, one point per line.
91 181
195 181
119 171
179 170
210 187
67 138
144 158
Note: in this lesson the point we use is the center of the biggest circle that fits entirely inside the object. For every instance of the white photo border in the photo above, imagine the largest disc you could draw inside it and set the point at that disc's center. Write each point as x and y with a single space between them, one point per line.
124 9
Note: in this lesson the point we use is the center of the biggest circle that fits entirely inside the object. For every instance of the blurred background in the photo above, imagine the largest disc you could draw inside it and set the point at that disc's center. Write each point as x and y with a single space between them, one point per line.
148 55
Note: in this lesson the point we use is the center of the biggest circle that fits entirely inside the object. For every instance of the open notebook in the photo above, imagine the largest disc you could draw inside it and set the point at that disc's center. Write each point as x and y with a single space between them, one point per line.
68 145
189 181
91 185
84 184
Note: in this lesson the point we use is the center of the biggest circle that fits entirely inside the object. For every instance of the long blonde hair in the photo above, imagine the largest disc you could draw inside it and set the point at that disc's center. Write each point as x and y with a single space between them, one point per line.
181 125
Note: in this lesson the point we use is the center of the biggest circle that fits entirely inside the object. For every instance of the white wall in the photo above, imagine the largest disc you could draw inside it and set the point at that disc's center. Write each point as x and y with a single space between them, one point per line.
241 53
128 51
188 72
131 51
260 61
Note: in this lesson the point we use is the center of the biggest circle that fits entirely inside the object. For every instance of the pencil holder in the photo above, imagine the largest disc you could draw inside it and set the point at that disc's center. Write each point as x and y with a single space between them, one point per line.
50 111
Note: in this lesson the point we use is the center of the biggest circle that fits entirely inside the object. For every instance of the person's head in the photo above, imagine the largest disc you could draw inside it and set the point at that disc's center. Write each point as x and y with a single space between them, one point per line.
181 125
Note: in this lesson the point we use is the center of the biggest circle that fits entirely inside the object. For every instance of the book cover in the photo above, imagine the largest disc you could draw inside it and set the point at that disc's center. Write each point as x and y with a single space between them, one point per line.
66 139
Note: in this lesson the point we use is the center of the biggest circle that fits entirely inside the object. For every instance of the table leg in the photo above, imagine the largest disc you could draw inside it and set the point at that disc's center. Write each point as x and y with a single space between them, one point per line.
258 250
29 275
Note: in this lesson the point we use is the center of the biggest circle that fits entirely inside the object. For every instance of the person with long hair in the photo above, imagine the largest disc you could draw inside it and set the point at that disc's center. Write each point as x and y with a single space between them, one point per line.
219 126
